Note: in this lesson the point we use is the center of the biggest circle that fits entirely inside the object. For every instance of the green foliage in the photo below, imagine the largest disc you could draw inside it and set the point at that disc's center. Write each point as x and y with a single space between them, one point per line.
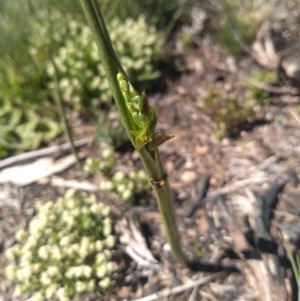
227 113
263 76
23 129
29 117
127 187
65 251
81 76
27 79
158 12
236 22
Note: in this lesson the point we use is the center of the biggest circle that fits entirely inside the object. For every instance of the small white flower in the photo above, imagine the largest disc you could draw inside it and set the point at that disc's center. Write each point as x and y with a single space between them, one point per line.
99 245
126 194
106 185
18 291
64 83
86 271
121 188
80 286
69 194
43 252
35 267
141 174
73 250
45 279
25 259
10 272
101 271
50 70
119 176
94 208
75 212
83 252
104 283
50 291
52 271
23 274
95 82
35 226
38 297
107 153
69 203
105 211
79 65
13 252
62 294
31 242
68 219
90 286
110 241
65 241
100 259
21 235
70 273
55 253
107 228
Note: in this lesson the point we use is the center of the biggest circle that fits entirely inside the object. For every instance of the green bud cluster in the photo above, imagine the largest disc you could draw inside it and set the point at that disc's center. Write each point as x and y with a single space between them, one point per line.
142 113
65 251
104 164
143 116
127 186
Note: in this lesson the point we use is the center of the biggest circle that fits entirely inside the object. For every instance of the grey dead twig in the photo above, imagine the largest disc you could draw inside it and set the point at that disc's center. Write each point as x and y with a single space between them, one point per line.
43 152
181 288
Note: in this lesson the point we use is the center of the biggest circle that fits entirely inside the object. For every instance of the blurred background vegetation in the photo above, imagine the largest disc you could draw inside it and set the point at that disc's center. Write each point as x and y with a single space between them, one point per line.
44 40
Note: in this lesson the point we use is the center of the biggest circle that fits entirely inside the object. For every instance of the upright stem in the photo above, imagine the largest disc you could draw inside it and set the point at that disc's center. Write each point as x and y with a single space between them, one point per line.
150 158
59 100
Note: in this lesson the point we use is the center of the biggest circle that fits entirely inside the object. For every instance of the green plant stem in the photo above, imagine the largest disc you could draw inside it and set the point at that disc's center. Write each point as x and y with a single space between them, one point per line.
295 262
59 101
150 158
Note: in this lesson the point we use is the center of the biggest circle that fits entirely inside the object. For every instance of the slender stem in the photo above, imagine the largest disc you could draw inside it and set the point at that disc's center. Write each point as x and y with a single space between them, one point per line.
60 104
150 158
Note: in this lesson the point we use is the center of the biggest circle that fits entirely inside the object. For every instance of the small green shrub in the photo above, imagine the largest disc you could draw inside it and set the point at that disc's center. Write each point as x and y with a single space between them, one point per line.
226 111
81 75
127 187
158 12
23 129
65 251
236 22
27 80
264 76
104 163
27 119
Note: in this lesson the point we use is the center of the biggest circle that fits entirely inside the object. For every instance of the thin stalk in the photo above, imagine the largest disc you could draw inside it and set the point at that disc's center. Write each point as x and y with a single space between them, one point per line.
150 158
59 101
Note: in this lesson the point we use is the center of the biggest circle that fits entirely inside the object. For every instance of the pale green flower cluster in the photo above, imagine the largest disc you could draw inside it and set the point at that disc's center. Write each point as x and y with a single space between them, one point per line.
127 186
104 163
138 45
81 75
65 251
